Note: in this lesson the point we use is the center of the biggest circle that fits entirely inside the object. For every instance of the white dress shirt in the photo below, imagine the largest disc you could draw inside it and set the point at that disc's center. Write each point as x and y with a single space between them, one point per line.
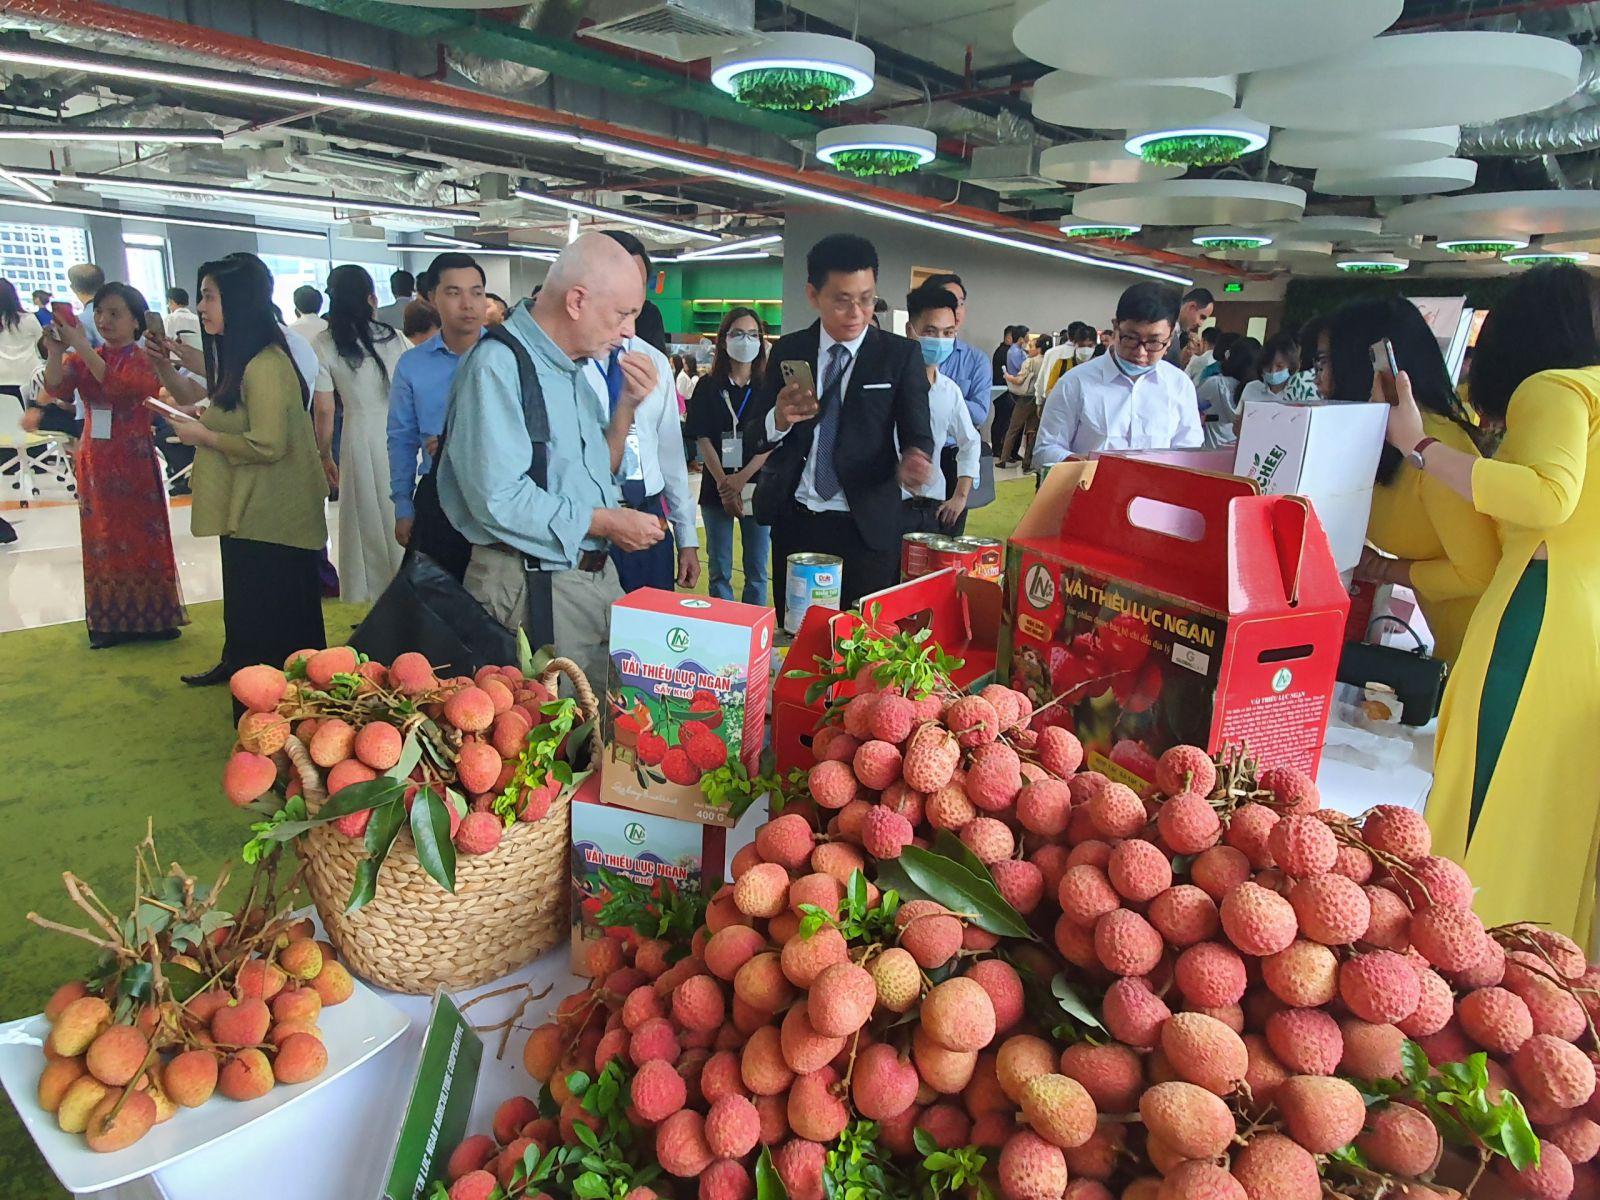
1096 406
183 326
304 357
1051 357
1220 397
659 436
1199 363
806 492
308 325
951 422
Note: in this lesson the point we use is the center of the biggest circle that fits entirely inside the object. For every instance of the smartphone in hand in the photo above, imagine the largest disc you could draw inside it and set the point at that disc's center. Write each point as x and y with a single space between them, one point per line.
166 410
1385 368
62 311
798 371
155 326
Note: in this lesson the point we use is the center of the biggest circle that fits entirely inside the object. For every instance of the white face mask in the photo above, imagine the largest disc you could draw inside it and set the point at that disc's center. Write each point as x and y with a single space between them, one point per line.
1082 353
744 347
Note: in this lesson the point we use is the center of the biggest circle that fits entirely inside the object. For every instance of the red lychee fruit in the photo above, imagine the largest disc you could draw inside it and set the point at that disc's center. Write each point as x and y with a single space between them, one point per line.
1293 791
973 720
1185 769
884 832
1059 751
1393 829
1302 846
1257 921
930 759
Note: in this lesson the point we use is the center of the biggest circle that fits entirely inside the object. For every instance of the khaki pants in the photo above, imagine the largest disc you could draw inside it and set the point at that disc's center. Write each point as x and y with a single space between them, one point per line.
580 601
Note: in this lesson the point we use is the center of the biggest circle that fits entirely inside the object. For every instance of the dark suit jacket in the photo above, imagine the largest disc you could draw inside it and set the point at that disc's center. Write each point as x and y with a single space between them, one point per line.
888 395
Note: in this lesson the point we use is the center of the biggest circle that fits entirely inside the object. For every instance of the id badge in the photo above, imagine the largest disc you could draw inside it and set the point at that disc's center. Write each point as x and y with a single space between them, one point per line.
100 424
733 453
632 464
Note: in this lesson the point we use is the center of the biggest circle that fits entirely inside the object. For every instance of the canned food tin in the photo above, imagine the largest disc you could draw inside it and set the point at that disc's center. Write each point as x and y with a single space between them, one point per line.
991 562
914 554
947 552
812 579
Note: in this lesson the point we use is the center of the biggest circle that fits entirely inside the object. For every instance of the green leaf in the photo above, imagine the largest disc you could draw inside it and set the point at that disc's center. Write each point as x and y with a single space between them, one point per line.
1415 1061
410 754
590 1186
359 797
923 1140
182 981
1073 1004
953 848
430 831
769 1185
365 885
136 981
1521 1143
382 828
214 919
585 1135
940 1160
961 891
857 892
578 1083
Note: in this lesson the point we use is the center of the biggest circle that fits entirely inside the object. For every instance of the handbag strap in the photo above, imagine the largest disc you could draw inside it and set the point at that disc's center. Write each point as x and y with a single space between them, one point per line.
1421 649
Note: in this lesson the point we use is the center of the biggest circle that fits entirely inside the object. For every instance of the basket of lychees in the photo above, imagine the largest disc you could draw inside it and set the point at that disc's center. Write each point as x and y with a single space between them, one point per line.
430 813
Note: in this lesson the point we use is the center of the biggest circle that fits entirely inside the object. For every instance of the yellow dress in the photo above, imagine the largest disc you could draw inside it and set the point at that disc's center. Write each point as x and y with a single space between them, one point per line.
1532 852
1452 547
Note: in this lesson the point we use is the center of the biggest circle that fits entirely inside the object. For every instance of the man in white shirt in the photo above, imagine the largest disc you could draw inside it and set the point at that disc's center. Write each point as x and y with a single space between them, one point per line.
1129 398
1076 346
1199 362
655 471
403 284
932 324
307 321
182 323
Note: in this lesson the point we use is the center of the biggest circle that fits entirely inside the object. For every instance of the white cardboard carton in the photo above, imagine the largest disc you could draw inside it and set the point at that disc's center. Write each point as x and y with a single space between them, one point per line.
1327 452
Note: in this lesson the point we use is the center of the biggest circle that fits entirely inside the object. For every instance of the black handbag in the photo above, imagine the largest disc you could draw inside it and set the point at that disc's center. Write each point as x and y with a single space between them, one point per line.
426 609
1418 680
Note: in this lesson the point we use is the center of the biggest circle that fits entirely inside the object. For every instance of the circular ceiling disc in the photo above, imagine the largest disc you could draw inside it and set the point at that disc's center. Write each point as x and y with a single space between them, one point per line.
1374 148
1190 202
1100 162
1157 38
1482 214
1088 102
1460 77
1414 179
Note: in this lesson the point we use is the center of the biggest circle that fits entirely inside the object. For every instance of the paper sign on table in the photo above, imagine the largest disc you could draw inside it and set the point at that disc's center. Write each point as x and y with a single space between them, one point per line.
441 1101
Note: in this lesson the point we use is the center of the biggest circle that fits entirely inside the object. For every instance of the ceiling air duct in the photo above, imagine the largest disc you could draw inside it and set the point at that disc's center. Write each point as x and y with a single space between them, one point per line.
498 76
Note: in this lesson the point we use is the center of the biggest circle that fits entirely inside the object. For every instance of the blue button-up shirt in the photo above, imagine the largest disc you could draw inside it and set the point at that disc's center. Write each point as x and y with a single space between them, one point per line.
418 395
1015 356
483 474
970 370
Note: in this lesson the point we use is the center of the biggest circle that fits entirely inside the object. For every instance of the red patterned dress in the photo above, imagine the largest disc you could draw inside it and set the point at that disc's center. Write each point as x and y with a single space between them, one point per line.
130 578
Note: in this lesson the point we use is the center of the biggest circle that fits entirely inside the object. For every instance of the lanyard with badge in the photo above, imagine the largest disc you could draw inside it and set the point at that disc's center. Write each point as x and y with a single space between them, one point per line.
733 444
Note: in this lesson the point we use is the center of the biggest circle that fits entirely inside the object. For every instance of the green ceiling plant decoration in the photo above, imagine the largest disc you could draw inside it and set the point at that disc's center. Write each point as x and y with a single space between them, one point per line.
876 162
1195 150
1485 246
1110 233
791 89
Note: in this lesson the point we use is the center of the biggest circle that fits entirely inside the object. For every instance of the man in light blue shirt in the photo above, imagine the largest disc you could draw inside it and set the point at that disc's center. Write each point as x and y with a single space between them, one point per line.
566 528
420 389
1018 353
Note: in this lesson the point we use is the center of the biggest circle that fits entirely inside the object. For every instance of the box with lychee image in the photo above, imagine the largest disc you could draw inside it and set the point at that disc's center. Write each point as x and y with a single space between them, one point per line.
685 702
1151 606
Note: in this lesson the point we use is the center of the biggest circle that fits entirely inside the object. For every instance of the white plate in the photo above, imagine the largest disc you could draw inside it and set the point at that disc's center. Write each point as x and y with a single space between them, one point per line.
353 1032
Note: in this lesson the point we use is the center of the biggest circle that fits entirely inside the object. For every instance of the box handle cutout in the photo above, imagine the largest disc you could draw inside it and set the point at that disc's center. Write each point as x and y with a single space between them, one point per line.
1170 520
1285 654
915 622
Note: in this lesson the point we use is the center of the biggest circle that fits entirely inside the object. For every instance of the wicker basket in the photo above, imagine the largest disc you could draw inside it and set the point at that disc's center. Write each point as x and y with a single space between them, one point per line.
509 906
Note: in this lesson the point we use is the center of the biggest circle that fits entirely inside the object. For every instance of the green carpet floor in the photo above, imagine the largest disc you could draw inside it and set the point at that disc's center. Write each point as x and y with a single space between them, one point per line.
99 742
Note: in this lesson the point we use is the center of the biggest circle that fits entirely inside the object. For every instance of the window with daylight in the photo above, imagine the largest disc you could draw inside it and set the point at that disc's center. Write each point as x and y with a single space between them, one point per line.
35 257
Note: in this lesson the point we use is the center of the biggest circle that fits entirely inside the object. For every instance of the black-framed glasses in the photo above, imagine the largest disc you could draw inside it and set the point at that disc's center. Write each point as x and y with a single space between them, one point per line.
1131 343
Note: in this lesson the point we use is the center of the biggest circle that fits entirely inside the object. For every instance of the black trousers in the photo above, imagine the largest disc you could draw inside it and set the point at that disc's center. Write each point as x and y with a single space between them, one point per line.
1003 403
947 463
271 602
866 570
921 516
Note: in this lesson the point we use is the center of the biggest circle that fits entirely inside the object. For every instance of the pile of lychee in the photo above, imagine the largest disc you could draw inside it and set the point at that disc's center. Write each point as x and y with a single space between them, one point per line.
113 1082
483 723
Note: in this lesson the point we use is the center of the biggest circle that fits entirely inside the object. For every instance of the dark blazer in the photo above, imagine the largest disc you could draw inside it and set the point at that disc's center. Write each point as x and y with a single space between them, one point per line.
888 395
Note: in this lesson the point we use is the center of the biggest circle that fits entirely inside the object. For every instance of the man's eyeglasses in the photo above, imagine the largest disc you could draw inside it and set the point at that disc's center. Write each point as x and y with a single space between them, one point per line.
1130 343
845 304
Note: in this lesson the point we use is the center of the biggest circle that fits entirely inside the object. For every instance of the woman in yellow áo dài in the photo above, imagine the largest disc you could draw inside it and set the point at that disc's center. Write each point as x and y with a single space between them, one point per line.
1516 790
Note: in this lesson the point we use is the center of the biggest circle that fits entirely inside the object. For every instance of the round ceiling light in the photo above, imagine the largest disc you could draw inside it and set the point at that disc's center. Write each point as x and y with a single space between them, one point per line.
877 149
1413 179
1162 38
1089 102
1230 239
1534 258
1372 148
1454 77
1372 264
788 71
1191 202
1203 144
1099 162
1108 231
1514 214
1481 245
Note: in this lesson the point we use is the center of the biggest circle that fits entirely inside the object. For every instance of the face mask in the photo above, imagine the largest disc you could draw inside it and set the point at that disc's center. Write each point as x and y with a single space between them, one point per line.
1082 353
936 350
1132 370
744 349
1275 379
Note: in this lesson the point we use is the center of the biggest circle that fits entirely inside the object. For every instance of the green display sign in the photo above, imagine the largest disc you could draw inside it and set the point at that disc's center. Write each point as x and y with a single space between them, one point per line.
441 1101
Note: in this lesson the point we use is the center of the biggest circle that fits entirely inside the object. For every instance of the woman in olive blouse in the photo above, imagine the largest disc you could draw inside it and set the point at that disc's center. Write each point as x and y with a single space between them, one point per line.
258 483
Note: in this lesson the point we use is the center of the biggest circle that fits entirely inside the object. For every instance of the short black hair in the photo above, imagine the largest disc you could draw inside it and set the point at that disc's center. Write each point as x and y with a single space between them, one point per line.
1044 343
631 244
944 279
402 283
1548 319
845 253
452 260
175 295
500 300
1020 331
1208 335
1243 361
1282 344
929 297
426 282
1079 329
130 296
307 300
40 292
1199 297
1148 303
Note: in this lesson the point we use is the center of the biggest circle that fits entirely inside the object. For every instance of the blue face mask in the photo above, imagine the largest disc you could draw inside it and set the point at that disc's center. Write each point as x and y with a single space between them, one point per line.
1132 370
1275 379
936 350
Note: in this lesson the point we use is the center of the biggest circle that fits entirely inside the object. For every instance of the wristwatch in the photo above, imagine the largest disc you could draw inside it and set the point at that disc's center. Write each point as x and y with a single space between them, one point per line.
1415 457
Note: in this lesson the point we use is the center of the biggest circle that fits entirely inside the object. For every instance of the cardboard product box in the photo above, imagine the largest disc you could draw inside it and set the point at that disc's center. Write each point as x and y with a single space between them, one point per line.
639 846
1327 452
683 669
963 611
1160 606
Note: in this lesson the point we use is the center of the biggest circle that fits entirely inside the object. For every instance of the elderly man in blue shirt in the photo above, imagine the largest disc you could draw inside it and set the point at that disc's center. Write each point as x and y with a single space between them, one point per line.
420 389
971 371
563 530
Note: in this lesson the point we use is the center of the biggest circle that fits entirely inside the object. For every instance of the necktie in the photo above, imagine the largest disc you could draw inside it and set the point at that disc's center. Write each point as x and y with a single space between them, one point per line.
827 479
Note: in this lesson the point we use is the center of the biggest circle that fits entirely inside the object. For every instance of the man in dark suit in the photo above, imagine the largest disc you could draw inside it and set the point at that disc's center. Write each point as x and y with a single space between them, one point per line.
840 451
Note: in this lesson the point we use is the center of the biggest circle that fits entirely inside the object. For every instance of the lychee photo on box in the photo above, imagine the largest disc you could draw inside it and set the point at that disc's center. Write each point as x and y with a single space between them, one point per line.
687 696
1151 606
